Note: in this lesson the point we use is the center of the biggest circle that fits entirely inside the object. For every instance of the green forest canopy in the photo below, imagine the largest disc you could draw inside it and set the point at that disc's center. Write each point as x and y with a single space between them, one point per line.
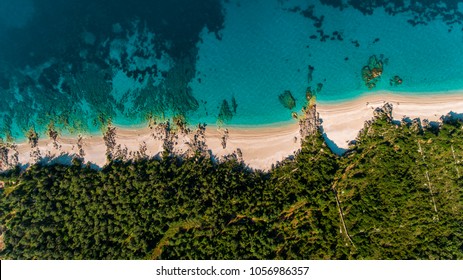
397 194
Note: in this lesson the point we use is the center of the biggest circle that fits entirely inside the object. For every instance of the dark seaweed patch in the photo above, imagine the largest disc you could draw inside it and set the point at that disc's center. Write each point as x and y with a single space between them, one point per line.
66 50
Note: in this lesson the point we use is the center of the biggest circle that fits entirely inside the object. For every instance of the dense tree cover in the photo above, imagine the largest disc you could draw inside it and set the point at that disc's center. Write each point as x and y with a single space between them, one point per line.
396 195
401 192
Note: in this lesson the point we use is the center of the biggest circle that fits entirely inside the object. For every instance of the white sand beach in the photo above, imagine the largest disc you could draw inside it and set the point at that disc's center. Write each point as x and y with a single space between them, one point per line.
342 122
261 147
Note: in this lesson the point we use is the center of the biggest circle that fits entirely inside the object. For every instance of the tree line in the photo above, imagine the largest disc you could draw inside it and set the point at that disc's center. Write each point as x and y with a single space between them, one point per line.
396 194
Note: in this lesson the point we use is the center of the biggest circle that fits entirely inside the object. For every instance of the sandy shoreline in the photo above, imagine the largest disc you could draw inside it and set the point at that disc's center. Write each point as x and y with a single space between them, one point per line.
260 147
342 122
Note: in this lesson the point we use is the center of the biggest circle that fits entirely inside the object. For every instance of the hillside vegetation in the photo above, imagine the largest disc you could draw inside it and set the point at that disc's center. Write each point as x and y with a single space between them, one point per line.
397 194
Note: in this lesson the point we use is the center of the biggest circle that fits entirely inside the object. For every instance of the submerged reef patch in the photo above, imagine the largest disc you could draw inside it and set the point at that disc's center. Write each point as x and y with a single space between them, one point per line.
395 81
371 73
418 11
225 113
80 64
287 100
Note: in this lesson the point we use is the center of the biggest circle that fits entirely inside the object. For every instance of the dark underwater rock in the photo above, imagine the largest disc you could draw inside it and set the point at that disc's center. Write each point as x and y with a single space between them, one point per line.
395 81
309 76
234 104
287 99
372 72
225 113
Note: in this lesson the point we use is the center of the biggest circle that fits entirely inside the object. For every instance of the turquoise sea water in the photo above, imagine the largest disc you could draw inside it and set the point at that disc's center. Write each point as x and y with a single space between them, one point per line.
80 64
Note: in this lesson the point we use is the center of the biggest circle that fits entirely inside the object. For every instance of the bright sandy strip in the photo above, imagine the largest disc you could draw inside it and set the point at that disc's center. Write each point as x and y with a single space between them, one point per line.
260 147
342 122
263 146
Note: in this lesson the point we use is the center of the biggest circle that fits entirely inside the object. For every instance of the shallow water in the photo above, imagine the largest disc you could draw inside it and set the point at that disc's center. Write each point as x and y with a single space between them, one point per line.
78 63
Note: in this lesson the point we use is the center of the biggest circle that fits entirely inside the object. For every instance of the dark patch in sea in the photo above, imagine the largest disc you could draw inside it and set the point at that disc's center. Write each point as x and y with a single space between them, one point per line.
61 64
56 27
419 11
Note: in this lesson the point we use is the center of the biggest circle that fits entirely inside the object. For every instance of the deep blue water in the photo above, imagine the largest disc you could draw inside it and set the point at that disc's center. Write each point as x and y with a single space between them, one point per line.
79 63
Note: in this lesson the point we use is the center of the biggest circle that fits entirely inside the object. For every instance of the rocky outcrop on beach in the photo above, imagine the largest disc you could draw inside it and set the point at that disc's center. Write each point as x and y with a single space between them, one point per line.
385 111
309 123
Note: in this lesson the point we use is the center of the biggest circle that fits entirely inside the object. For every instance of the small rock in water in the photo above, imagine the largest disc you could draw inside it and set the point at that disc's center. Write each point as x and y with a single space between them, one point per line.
225 113
287 99
372 72
309 75
395 81
234 104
